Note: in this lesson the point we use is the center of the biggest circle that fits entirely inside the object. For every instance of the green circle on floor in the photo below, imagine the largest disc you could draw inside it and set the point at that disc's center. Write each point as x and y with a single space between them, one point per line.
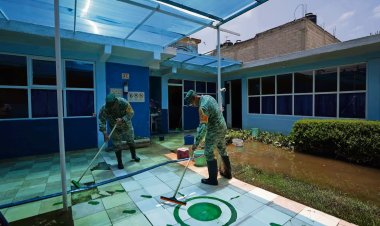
204 211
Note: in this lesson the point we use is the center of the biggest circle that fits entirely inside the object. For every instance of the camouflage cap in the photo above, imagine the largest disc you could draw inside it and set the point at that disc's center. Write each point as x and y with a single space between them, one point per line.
189 96
110 99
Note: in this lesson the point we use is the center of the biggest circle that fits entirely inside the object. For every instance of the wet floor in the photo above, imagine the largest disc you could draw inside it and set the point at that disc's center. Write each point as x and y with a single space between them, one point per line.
358 181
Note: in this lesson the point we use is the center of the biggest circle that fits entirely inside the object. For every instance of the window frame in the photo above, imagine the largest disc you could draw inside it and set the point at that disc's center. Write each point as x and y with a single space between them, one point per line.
30 86
313 93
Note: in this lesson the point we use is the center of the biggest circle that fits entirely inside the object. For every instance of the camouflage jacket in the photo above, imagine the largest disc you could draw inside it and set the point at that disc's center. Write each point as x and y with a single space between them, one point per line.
123 111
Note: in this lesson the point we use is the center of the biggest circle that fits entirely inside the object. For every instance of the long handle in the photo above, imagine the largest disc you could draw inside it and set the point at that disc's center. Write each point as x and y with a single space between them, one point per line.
101 148
183 174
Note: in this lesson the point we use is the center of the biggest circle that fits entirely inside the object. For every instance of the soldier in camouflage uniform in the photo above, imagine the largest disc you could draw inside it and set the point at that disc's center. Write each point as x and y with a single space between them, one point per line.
213 126
118 111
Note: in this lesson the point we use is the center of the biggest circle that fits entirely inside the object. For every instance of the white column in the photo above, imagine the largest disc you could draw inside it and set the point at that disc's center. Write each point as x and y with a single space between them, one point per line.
61 135
219 72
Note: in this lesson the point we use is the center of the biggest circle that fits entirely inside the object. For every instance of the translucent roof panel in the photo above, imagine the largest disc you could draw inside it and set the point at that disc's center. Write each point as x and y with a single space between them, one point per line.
184 58
221 9
138 20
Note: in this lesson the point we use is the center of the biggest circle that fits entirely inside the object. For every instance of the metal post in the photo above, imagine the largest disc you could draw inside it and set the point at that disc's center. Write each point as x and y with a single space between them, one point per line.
59 102
219 72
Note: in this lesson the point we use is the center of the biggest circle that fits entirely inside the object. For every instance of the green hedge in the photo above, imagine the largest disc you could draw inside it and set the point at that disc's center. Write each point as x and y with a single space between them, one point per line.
353 140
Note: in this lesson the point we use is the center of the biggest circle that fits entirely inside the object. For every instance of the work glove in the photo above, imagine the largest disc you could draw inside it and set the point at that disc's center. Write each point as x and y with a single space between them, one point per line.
106 137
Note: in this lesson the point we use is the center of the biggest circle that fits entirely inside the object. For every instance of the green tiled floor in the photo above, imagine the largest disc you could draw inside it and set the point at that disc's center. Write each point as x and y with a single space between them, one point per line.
136 200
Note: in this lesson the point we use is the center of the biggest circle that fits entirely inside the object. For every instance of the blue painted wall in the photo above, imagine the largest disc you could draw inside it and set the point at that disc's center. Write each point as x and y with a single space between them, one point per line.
284 124
21 138
138 82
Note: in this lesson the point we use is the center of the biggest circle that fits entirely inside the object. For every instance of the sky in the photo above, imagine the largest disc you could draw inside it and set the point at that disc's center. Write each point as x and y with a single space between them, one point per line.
347 19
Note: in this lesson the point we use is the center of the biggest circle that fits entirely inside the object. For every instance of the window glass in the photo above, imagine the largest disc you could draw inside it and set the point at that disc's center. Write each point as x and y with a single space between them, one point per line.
303 82
188 85
211 87
254 86
284 84
201 87
326 80
284 105
254 105
325 105
268 105
44 72
353 77
268 85
13 103
13 70
44 103
303 105
175 81
352 105
79 74
80 103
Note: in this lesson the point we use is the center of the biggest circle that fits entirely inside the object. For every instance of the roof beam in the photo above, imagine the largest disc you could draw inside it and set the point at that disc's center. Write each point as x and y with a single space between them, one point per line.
75 16
246 9
181 6
4 15
142 22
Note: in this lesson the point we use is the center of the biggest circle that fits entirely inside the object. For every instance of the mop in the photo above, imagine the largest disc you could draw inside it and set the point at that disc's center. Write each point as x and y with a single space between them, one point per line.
76 183
173 198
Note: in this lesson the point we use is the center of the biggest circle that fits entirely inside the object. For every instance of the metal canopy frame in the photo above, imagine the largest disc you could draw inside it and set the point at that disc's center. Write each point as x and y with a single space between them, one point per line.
63 15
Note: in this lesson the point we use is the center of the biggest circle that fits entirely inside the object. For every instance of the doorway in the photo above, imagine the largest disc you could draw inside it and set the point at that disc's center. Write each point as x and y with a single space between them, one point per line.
233 103
175 107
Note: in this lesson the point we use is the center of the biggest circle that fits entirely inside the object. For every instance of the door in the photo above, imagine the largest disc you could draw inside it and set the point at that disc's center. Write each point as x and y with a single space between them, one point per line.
175 107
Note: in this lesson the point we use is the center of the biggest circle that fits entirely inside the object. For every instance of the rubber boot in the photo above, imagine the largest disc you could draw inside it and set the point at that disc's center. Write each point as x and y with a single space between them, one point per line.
227 168
132 148
119 161
212 167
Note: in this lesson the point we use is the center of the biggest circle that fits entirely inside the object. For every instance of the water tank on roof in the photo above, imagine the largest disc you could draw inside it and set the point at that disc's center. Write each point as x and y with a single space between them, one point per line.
311 17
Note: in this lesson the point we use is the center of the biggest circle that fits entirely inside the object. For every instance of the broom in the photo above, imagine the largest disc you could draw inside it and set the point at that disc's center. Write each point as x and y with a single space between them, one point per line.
173 198
77 183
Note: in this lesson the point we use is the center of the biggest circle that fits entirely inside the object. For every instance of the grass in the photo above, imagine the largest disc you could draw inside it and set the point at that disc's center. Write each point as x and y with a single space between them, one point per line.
329 201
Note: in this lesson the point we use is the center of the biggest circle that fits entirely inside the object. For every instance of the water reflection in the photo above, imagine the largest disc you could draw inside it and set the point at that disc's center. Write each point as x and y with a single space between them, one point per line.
358 181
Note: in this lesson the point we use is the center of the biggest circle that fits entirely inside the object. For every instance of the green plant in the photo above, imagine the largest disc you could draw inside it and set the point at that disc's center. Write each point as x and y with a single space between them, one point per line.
352 140
240 134
277 139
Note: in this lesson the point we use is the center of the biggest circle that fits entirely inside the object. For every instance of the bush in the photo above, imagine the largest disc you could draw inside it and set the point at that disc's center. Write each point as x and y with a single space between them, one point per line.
240 134
353 140
277 139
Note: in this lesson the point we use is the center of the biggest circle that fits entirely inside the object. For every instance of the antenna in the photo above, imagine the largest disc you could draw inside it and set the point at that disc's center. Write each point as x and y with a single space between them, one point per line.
303 10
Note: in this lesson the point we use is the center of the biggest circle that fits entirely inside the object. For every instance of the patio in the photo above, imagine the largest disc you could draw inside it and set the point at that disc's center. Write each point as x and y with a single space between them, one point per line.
136 200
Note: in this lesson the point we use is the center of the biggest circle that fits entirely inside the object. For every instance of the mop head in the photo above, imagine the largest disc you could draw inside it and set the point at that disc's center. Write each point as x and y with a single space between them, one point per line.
173 200
76 184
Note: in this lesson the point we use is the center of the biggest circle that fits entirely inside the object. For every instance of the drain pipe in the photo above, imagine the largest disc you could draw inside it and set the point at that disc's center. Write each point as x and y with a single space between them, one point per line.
61 134
219 71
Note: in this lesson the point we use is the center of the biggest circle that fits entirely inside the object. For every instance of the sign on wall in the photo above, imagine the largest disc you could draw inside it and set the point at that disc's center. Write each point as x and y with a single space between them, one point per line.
117 92
136 97
124 75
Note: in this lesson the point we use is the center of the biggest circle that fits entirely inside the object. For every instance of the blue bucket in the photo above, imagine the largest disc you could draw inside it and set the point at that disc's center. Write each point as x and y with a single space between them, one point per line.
189 139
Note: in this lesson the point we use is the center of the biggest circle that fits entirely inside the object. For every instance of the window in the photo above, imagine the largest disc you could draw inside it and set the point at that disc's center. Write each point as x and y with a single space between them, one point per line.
211 87
188 85
329 92
13 70
201 87
303 82
326 80
44 72
13 103
79 74
13 87
79 88
16 92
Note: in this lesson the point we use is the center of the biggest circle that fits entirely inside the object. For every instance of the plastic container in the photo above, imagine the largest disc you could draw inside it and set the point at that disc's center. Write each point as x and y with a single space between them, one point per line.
238 142
188 139
255 132
200 161
182 153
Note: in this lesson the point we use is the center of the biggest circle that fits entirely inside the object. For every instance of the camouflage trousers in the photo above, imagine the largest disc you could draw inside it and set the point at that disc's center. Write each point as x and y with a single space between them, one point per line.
215 139
122 137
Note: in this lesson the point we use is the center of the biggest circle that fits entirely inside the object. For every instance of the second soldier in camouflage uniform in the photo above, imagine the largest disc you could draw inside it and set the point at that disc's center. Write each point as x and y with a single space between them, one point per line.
213 126
118 111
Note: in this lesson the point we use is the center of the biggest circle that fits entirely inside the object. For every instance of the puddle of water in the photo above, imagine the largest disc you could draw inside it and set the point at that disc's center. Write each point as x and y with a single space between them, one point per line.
359 181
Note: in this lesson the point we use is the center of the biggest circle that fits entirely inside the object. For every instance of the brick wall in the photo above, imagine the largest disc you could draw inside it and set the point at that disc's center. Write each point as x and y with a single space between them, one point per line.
295 36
